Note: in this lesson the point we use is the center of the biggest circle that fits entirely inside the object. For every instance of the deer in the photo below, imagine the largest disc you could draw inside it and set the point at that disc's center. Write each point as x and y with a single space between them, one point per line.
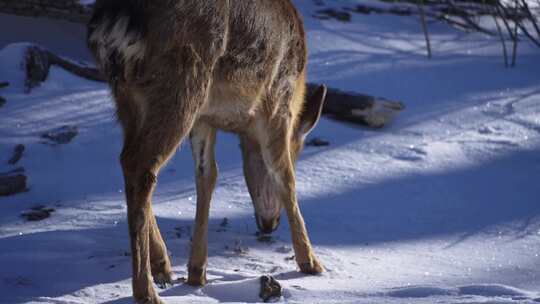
182 69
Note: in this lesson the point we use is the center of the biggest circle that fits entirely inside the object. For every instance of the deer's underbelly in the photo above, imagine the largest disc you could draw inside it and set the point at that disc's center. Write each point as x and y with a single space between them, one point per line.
230 109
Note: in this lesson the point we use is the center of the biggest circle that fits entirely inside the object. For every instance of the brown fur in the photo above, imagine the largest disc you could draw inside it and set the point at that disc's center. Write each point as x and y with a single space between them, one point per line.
192 67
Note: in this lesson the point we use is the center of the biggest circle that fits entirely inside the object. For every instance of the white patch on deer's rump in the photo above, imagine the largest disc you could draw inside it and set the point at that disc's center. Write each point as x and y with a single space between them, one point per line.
128 44
99 38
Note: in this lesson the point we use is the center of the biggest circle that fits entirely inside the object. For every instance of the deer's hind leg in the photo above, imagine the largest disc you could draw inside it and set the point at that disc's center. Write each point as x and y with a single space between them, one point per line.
131 116
160 262
141 163
203 137
170 108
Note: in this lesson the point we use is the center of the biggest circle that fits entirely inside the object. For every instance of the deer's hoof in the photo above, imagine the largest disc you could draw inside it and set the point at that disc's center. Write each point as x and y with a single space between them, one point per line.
312 267
162 280
196 276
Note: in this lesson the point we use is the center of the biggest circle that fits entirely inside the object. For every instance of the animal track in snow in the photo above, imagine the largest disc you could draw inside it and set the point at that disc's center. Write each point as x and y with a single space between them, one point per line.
411 153
420 292
479 290
486 130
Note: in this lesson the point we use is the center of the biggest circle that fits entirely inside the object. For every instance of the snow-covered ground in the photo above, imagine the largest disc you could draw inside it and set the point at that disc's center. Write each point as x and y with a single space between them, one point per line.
442 206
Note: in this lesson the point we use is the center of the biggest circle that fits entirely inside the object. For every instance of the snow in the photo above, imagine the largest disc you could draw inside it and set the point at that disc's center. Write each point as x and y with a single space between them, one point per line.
441 206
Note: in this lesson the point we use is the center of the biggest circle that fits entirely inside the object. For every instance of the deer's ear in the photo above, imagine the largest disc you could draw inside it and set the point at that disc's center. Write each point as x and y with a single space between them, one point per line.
312 111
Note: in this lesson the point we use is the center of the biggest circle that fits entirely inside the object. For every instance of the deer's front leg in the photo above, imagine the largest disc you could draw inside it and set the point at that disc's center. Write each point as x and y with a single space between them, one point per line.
305 257
203 138
276 153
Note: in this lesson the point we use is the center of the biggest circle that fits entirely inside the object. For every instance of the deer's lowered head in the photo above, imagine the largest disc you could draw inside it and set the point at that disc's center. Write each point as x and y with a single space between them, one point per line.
263 184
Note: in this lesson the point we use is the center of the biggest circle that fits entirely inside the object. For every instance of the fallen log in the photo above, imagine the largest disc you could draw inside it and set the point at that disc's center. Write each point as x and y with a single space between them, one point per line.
366 110
38 62
370 111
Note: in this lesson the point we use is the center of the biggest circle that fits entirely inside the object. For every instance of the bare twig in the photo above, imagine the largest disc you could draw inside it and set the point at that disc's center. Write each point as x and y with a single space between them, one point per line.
503 13
453 22
515 34
503 42
501 36
525 31
532 19
424 27
468 20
